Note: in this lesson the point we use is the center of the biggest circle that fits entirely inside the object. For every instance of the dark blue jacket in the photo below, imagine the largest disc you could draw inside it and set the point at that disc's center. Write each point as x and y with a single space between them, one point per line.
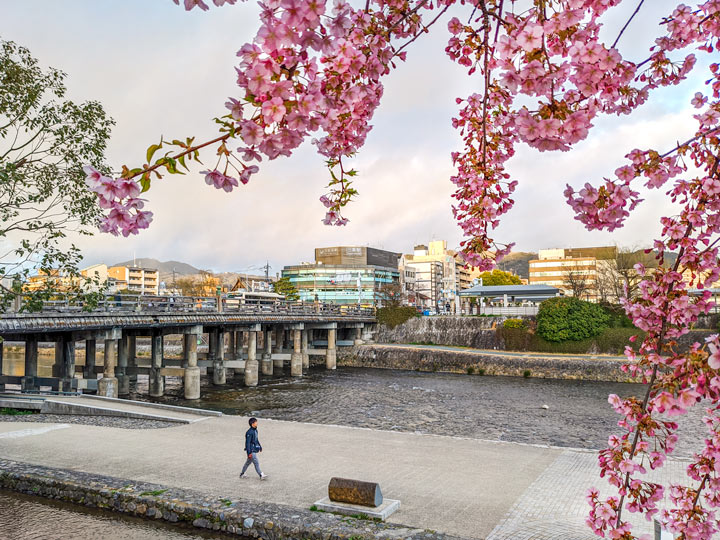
252 444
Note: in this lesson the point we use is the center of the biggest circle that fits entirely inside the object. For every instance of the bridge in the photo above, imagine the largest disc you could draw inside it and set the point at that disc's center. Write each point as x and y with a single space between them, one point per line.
251 339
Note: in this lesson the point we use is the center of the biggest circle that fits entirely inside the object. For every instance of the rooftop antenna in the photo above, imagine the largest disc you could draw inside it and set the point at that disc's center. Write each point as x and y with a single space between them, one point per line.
134 261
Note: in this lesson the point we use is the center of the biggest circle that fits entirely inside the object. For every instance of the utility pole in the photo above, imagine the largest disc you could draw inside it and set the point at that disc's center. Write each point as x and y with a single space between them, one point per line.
267 271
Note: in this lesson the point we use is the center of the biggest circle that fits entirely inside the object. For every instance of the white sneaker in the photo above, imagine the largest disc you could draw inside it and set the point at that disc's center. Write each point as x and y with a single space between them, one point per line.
242 476
263 476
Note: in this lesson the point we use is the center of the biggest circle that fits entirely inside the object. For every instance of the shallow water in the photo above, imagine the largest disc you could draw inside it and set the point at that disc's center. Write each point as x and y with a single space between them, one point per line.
32 518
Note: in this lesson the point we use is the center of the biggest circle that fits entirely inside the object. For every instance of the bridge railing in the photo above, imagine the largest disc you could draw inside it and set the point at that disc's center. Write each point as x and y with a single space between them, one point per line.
199 304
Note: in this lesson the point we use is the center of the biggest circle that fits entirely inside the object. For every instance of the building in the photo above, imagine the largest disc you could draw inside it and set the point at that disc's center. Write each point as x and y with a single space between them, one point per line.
428 283
139 280
441 287
345 275
98 279
574 270
52 279
408 279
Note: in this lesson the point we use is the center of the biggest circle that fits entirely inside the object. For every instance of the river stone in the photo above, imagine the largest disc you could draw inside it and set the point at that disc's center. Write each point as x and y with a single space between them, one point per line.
248 523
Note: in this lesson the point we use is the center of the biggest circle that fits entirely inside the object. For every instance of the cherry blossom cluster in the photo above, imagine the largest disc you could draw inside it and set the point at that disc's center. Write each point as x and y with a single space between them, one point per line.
119 197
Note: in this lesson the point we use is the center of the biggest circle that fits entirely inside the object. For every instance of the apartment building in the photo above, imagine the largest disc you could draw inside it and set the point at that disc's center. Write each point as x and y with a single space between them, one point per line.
439 288
575 270
139 280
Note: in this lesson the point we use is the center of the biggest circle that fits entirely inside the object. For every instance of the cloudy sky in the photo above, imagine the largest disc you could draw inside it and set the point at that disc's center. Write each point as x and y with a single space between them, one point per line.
159 70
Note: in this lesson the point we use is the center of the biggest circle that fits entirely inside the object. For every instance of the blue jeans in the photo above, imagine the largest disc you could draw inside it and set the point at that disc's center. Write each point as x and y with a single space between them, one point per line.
254 461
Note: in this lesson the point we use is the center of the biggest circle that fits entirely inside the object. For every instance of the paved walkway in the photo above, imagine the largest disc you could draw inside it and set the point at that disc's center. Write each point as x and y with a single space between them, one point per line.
510 354
465 487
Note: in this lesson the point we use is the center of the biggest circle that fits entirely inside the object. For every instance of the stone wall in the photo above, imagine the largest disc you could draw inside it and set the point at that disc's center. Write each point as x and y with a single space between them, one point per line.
152 501
477 332
459 361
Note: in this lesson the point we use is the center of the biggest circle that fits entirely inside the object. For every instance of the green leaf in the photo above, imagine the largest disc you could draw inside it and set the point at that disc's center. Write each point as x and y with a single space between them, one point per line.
151 151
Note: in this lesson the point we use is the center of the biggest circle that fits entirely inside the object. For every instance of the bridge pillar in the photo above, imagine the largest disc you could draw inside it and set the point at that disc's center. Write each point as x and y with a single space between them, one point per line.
31 352
267 362
2 385
358 336
122 365
156 384
219 376
67 367
331 352
192 371
304 352
251 364
132 362
89 367
296 359
108 385
278 349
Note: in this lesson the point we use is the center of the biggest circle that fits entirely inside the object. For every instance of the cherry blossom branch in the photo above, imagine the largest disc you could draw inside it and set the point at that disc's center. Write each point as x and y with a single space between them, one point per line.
423 31
637 9
190 150
693 139
653 378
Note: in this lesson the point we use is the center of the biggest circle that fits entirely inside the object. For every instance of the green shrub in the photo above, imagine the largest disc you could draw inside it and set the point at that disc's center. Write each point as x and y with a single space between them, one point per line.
393 316
526 373
614 340
470 370
514 323
617 316
516 339
570 319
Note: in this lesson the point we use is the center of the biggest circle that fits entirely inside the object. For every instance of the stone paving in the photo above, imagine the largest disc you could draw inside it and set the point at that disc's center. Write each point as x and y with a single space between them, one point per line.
554 506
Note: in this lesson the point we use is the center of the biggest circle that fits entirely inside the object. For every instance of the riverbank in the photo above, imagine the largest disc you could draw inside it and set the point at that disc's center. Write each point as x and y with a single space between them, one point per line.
447 359
159 502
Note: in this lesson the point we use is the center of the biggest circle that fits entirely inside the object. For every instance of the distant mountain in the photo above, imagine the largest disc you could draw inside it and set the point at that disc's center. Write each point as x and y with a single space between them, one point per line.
165 268
517 263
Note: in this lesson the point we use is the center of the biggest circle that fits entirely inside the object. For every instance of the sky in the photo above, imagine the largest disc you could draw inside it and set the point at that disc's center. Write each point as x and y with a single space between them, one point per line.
159 70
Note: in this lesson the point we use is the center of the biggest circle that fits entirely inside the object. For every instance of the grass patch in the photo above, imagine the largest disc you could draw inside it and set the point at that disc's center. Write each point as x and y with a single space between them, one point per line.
153 493
470 370
481 371
7 411
226 502
527 373
314 508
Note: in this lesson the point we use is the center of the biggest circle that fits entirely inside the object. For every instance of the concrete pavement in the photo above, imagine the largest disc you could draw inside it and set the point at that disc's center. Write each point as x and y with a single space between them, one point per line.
458 486
464 487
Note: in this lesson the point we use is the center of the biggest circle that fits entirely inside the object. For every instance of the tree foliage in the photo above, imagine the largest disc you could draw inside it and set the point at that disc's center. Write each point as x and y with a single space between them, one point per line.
570 319
286 287
499 277
44 142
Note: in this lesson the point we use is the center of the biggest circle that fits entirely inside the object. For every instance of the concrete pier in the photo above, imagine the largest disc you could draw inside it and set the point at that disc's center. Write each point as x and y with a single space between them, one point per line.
251 364
192 371
67 363
267 362
219 374
2 385
31 362
331 352
296 359
108 385
132 362
358 336
304 350
122 365
278 349
156 385
89 367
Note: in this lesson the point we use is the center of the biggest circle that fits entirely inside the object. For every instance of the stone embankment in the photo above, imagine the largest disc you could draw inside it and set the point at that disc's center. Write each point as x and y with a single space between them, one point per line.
235 517
556 366
476 332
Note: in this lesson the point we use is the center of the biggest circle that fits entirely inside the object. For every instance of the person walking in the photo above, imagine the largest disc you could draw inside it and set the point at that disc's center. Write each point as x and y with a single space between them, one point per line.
252 448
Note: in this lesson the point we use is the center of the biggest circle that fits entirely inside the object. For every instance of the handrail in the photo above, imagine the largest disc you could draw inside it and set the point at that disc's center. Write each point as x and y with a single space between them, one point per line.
124 304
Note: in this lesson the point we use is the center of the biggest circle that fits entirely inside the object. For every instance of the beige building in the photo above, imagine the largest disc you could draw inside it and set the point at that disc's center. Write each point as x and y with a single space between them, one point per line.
575 270
139 280
436 275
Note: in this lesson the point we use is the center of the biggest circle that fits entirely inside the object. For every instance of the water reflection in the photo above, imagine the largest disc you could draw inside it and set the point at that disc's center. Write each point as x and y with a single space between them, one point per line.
29 518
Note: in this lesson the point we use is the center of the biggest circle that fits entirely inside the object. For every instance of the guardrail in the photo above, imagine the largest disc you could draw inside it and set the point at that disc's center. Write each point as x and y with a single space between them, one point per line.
199 304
